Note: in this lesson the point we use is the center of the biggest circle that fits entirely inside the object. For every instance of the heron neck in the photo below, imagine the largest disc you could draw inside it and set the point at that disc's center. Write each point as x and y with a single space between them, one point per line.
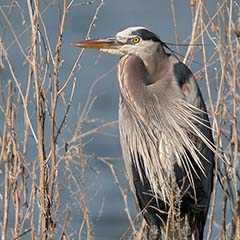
157 64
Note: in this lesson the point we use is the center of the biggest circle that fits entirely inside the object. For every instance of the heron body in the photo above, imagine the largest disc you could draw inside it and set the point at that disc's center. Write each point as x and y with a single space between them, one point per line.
165 133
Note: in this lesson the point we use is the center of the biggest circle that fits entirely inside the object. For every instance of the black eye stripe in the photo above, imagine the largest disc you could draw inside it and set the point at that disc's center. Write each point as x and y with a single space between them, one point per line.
144 34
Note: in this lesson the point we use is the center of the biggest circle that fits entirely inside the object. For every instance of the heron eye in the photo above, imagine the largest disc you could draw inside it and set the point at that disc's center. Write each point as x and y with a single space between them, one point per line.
136 39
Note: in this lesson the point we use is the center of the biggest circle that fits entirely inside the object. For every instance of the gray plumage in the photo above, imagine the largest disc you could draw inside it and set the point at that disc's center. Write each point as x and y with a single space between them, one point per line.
165 133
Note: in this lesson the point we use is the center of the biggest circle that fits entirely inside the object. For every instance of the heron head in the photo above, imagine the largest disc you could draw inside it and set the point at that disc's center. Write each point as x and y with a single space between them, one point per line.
138 41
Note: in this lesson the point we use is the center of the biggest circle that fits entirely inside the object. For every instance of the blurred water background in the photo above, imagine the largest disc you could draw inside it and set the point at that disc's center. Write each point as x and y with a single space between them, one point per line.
104 198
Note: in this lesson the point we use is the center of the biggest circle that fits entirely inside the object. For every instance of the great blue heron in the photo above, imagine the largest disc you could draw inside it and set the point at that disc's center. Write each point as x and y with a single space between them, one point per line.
165 133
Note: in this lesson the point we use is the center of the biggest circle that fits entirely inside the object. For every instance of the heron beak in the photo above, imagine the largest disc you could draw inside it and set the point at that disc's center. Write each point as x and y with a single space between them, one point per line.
106 43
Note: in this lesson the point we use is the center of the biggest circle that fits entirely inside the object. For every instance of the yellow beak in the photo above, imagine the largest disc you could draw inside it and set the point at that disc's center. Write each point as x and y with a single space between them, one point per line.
107 43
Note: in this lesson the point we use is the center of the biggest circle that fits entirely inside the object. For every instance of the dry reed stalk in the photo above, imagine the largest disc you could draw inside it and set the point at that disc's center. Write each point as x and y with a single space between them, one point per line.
45 220
7 158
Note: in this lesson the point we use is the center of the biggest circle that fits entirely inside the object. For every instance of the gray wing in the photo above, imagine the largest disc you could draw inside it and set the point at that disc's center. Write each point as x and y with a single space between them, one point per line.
204 184
192 94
